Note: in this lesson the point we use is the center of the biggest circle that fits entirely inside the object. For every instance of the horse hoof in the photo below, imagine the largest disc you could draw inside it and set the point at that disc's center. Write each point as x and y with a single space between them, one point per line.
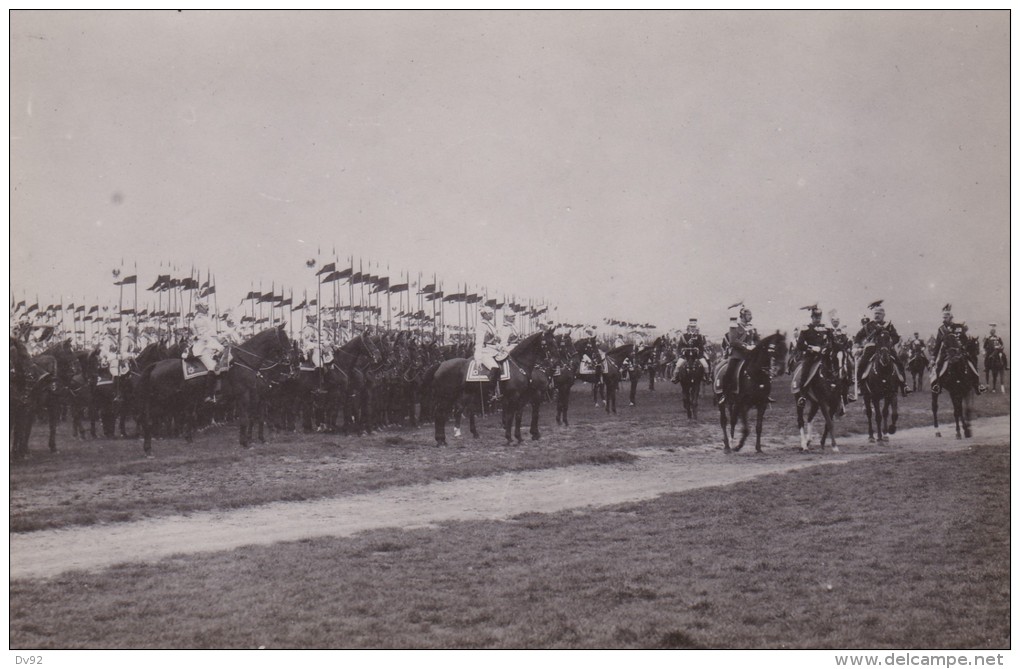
958 436
536 437
871 440
835 449
938 434
456 432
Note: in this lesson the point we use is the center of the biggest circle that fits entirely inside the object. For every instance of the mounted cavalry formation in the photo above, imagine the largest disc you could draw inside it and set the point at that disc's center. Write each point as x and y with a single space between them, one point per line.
357 382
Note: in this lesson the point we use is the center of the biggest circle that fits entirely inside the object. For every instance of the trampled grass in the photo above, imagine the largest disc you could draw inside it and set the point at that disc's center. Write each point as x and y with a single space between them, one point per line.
107 481
901 551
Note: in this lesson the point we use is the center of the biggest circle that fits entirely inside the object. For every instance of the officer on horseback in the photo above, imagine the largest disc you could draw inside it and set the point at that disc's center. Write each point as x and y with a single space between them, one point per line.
844 350
489 349
951 337
691 346
741 341
814 342
205 346
993 346
916 348
513 335
867 338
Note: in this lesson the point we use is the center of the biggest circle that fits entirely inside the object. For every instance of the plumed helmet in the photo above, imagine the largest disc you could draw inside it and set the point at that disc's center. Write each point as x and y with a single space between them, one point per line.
486 311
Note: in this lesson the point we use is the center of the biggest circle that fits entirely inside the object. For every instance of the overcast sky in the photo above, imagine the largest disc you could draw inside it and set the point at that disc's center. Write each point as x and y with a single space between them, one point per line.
647 166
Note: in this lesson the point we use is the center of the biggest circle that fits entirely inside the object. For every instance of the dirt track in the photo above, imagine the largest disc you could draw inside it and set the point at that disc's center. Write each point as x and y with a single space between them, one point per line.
49 553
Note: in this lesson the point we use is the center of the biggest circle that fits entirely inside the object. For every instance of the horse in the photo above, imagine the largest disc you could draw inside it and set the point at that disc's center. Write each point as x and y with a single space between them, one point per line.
823 392
879 389
450 390
564 374
690 376
595 378
254 364
768 359
995 369
613 373
62 363
82 393
28 383
916 366
642 361
957 380
347 376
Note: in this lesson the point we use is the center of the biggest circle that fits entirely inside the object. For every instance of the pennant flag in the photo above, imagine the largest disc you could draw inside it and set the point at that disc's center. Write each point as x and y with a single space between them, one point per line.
208 291
399 288
299 306
127 312
382 284
435 296
313 303
161 283
326 269
268 297
356 278
126 281
31 308
431 288
20 304
331 277
491 303
287 302
80 307
455 297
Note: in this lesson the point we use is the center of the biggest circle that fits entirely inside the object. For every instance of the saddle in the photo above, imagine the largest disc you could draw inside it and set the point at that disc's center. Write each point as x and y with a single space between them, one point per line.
720 372
815 366
478 373
194 367
104 377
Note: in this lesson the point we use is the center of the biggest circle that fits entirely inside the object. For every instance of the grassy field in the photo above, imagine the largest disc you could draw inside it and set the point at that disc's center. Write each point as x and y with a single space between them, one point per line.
108 481
902 551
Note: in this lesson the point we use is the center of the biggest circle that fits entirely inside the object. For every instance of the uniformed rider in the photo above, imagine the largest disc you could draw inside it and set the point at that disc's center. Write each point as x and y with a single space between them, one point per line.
741 341
489 349
814 341
867 339
993 344
691 349
951 336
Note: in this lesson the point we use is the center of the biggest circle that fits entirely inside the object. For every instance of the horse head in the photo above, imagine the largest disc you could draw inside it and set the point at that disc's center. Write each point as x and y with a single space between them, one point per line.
769 356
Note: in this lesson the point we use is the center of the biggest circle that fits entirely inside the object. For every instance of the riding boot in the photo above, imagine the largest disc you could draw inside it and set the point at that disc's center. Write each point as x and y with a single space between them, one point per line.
494 381
211 388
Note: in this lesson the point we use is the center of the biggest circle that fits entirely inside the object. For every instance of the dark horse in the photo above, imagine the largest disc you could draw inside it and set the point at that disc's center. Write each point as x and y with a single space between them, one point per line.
598 362
62 364
917 363
768 359
957 380
254 364
824 393
449 390
563 376
612 373
995 369
642 361
29 382
690 375
879 390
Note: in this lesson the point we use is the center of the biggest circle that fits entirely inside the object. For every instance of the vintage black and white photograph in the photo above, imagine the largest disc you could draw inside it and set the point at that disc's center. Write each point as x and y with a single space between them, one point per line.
511 330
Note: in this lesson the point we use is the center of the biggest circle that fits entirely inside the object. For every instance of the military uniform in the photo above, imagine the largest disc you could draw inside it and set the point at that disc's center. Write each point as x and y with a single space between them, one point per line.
691 350
917 348
814 341
867 338
740 340
951 337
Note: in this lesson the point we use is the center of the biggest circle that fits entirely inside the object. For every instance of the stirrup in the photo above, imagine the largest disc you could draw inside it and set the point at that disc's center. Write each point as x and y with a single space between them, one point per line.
801 402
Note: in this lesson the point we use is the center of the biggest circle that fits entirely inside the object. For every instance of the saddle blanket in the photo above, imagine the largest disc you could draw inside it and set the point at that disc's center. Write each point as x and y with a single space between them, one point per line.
588 367
720 371
477 373
194 367
104 380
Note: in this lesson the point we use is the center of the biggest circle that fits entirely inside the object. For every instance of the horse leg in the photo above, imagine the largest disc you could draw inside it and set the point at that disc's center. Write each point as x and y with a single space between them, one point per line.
891 429
440 411
867 412
966 402
758 426
745 430
472 423
535 404
54 416
723 423
803 427
633 389
518 418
